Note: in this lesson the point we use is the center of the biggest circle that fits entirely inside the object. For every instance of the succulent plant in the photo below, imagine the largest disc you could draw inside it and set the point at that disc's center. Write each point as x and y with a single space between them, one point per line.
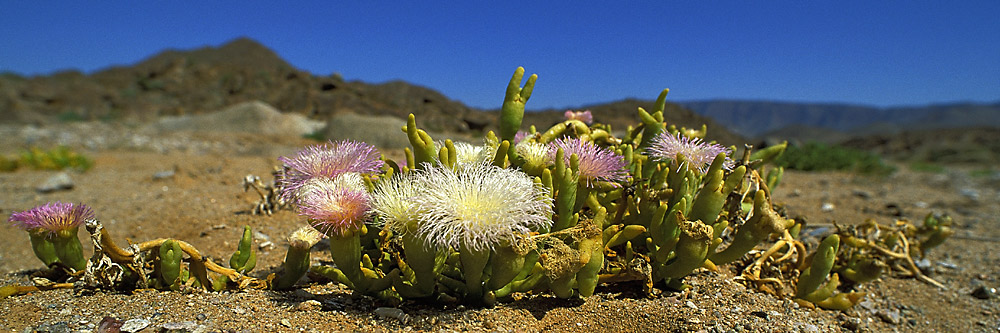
561 210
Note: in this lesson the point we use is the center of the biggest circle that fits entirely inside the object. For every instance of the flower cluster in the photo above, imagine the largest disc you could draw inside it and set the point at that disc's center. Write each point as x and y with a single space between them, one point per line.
328 161
52 217
325 183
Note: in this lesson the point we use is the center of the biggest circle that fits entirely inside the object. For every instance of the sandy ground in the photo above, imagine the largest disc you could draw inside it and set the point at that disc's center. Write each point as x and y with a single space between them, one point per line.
204 204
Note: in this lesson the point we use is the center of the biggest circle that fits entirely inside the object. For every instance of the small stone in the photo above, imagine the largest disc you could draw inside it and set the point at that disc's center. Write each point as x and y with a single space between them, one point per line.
852 323
109 324
982 292
134 325
761 314
58 182
165 174
201 316
889 316
309 305
286 323
690 304
911 322
184 326
384 312
827 207
861 194
810 328
239 310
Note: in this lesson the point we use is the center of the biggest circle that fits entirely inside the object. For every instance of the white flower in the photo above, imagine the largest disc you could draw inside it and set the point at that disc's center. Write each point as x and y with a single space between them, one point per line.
392 200
479 206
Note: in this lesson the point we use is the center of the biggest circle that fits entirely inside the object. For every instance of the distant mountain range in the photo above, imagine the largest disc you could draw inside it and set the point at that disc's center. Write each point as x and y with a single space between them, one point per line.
762 118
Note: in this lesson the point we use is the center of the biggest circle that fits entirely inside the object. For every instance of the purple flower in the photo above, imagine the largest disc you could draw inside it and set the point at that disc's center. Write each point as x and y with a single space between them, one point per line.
328 161
52 217
666 147
335 210
585 116
596 163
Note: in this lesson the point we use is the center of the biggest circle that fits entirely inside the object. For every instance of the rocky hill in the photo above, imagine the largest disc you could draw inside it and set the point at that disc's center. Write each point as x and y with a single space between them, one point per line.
755 118
191 82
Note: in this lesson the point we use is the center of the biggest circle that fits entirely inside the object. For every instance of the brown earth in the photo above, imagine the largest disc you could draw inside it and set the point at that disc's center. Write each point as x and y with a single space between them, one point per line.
203 203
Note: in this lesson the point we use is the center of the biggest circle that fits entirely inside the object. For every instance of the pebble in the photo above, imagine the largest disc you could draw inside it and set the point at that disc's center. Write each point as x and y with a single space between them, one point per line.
862 194
384 312
852 323
983 292
165 174
889 316
286 323
761 314
827 207
134 325
183 326
58 182
309 305
201 316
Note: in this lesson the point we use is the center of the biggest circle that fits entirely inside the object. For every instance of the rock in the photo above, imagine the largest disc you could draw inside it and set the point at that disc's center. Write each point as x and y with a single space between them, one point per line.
889 316
182 327
249 117
286 323
983 292
310 305
827 207
58 182
852 323
109 324
761 314
381 131
135 325
861 194
165 174
59 327
384 312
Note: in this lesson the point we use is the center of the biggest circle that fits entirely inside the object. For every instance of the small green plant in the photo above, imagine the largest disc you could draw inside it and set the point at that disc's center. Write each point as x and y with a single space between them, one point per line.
814 156
54 159
927 167
70 117
317 136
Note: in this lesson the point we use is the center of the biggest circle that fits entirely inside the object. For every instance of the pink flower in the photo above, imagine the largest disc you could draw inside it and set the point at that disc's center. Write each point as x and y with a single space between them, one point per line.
327 161
666 147
585 116
596 163
52 217
335 210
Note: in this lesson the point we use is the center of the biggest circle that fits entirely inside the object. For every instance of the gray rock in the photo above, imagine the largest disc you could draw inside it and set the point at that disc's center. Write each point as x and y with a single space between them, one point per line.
393 313
889 316
165 174
182 327
249 117
135 325
58 182
983 292
381 131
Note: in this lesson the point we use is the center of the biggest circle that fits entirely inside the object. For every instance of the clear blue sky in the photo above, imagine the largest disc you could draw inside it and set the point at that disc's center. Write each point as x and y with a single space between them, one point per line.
881 53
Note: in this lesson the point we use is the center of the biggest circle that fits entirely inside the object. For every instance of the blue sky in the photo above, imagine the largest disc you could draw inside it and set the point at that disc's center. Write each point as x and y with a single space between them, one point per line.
882 53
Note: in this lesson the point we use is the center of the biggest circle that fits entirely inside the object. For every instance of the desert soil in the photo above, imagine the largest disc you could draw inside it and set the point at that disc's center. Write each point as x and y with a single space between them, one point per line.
198 198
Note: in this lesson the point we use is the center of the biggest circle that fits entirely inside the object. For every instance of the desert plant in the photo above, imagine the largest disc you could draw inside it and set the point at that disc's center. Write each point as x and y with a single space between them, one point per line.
561 210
